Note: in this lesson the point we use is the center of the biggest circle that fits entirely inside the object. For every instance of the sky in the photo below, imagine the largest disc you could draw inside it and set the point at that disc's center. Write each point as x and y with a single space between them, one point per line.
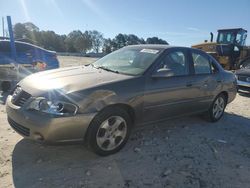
179 22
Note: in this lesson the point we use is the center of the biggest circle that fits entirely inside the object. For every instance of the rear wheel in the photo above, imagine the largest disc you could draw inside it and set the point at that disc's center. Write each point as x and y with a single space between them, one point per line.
109 131
217 108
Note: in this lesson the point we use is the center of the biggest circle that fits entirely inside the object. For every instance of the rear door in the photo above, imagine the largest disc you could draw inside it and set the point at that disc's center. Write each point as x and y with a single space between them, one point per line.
206 78
174 95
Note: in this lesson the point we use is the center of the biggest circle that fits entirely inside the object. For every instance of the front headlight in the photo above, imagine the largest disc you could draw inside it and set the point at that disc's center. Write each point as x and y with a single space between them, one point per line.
52 107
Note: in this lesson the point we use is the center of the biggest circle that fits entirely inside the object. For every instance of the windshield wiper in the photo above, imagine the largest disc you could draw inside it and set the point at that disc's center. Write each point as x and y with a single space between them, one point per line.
107 69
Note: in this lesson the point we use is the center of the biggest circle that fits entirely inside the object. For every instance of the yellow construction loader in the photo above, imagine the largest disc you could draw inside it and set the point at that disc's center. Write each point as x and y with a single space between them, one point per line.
229 49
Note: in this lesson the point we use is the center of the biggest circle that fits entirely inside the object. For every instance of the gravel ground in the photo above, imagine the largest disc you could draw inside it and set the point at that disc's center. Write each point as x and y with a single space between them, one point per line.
185 152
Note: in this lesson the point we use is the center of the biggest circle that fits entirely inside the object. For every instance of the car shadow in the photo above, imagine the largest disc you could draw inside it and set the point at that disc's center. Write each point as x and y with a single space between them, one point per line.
38 165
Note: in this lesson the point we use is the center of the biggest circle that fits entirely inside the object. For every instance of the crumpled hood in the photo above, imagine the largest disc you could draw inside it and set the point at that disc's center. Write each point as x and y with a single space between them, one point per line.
68 79
243 72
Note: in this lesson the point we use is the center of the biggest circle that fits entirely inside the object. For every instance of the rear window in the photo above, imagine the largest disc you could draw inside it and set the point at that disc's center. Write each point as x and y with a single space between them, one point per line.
201 64
20 47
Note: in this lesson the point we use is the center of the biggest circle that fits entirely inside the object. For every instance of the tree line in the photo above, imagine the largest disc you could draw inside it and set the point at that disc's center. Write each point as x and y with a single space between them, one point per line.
77 41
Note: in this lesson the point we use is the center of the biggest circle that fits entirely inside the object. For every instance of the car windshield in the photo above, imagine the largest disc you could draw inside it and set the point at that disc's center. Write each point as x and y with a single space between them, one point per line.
131 61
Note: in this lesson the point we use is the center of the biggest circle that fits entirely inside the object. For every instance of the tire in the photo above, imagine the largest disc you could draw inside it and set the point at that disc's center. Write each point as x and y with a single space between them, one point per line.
217 108
5 86
109 131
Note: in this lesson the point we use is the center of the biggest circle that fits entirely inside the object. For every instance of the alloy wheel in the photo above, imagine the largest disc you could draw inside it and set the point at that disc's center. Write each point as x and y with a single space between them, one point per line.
111 133
218 107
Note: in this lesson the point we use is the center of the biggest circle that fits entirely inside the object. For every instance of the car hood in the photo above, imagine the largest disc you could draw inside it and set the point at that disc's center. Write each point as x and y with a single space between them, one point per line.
243 72
68 79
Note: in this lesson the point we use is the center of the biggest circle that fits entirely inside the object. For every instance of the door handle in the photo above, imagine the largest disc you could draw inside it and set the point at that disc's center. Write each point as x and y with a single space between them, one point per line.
205 85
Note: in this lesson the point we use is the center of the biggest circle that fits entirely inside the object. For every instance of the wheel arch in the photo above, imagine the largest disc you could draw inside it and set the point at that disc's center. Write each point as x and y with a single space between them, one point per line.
129 109
225 93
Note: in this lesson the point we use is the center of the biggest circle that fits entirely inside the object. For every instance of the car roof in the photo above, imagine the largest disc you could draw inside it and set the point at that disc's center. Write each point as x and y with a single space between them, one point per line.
232 29
25 43
165 47
154 46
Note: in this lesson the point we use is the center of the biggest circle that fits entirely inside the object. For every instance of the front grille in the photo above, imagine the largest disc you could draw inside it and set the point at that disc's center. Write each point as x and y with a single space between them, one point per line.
19 97
19 128
242 78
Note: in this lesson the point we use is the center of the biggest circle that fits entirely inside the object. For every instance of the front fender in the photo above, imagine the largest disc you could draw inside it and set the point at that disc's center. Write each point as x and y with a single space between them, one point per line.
97 100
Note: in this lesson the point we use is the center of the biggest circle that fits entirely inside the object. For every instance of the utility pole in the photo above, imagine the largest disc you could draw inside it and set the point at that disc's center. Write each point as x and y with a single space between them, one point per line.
12 40
3 25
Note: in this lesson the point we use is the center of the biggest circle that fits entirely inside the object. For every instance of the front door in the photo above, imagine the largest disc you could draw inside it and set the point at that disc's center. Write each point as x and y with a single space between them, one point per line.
172 94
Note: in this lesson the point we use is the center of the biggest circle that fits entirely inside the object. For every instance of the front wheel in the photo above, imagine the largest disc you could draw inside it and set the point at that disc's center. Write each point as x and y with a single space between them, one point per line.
217 108
109 131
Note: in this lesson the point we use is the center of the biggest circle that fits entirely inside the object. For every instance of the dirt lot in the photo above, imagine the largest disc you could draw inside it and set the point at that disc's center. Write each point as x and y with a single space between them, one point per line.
184 152
66 61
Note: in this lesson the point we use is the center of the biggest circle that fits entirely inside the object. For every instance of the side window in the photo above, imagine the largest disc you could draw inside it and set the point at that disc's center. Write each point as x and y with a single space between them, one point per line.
201 64
174 62
214 68
23 48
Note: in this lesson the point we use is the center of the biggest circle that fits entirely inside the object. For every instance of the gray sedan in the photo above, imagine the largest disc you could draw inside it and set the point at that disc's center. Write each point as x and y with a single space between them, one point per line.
243 76
100 103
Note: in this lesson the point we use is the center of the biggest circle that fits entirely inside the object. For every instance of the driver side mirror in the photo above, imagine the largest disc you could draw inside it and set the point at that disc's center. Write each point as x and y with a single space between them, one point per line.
163 73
